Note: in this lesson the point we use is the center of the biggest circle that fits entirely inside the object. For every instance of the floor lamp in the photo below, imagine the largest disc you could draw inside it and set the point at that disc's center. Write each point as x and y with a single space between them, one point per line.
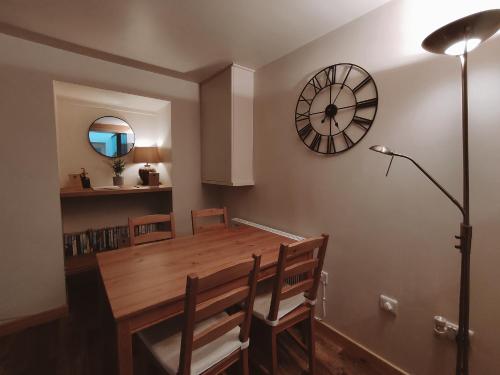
458 39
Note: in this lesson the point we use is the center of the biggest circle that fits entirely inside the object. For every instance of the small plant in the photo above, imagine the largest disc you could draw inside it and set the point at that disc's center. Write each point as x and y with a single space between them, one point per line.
118 167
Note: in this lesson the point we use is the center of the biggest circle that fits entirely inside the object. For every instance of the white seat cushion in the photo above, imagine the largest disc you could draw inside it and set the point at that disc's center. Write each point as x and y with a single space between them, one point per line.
165 346
262 305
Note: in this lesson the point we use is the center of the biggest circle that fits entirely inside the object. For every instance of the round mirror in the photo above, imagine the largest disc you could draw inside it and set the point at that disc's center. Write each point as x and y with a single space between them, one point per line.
111 136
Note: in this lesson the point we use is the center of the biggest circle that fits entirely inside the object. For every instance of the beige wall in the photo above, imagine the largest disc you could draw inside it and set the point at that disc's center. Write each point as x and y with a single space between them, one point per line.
31 266
31 262
389 235
74 150
151 127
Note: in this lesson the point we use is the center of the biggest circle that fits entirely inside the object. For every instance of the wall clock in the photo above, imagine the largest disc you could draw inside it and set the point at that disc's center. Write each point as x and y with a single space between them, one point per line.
336 108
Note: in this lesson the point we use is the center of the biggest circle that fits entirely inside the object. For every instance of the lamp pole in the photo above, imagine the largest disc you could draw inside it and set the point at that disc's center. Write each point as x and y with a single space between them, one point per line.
462 365
465 237
458 38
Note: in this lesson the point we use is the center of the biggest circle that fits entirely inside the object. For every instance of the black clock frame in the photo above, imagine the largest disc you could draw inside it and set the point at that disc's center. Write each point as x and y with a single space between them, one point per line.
304 130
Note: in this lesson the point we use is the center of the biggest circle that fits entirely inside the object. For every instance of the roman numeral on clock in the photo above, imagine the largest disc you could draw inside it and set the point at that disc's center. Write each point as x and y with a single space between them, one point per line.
315 84
348 141
362 84
330 145
330 75
316 142
346 76
301 116
363 122
305 131
303 99
367 103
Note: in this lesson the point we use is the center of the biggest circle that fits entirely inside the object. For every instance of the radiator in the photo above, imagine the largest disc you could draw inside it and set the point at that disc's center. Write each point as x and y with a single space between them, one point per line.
292 280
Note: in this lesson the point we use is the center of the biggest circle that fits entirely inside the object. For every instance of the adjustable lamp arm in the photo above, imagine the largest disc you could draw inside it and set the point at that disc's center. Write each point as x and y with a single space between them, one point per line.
438 185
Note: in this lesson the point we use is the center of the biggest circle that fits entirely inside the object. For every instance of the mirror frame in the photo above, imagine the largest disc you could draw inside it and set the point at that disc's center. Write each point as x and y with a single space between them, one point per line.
106 156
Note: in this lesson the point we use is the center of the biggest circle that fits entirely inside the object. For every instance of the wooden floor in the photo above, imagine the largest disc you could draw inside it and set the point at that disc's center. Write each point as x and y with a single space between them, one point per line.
83 344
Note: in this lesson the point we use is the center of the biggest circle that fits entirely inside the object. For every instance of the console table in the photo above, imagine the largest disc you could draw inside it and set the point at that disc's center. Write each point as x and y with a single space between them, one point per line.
94 192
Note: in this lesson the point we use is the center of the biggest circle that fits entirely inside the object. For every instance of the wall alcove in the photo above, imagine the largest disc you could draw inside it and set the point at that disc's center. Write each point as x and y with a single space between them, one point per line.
95 220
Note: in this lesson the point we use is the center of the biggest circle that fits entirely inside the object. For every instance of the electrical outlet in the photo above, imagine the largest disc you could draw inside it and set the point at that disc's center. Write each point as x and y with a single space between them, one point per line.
388 304
324 277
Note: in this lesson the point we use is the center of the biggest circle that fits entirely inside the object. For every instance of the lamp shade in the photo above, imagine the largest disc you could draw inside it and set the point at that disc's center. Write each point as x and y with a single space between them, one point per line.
382 149
146 155
464 33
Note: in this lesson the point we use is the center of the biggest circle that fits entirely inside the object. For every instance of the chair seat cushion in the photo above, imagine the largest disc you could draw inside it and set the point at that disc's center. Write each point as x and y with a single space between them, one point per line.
166 345
262 305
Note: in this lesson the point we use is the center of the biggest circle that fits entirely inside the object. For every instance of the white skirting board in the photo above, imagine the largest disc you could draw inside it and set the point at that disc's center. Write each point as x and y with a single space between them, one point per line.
268 229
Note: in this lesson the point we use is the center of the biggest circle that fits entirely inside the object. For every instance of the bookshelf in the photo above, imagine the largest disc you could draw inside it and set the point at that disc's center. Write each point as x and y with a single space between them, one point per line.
78 264
85 233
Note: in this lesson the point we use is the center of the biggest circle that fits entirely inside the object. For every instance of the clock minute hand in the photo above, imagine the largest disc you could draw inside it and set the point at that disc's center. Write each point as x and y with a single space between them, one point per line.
316 113
348 106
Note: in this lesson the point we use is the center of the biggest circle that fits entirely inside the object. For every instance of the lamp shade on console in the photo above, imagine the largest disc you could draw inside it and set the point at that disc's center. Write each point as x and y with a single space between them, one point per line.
146 155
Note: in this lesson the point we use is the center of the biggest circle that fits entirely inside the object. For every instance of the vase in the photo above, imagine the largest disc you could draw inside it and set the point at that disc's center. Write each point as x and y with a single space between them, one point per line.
117 180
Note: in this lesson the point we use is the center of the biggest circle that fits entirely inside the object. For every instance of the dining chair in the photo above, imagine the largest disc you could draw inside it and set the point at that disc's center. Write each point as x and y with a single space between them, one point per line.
198 215
286 304
137 238
211 340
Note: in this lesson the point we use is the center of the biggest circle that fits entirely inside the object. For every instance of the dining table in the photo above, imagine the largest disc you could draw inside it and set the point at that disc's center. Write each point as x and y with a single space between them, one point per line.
145 284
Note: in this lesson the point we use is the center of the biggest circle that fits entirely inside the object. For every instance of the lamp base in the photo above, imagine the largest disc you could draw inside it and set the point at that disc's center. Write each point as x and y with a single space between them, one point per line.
144 174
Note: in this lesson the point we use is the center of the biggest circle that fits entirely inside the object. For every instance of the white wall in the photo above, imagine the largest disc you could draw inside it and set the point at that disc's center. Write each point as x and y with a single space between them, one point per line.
389 235
31 255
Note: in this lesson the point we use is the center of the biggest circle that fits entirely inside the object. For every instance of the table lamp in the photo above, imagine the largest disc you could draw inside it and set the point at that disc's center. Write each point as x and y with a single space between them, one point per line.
146 155
458 38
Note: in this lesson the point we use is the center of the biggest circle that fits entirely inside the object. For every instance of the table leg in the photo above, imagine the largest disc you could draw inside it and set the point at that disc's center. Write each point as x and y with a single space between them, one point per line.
124 348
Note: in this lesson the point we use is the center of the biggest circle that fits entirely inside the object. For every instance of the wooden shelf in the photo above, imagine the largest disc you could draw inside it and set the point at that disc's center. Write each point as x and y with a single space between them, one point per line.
72 193
80 263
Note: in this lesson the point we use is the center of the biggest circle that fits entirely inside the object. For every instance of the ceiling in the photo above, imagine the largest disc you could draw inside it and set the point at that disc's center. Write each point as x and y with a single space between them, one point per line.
190 39
107 98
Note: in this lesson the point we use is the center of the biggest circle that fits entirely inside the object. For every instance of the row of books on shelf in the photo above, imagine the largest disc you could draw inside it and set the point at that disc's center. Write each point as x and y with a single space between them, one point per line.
95 240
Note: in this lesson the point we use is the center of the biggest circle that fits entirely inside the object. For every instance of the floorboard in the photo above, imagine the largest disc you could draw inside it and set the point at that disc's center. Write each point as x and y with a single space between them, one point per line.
83 344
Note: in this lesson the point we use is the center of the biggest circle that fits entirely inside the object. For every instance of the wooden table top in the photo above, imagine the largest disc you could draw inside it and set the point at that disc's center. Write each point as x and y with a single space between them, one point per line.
141 277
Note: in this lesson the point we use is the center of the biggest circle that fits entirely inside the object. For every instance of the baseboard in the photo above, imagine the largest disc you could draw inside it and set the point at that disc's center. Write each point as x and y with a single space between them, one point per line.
33 320
357 350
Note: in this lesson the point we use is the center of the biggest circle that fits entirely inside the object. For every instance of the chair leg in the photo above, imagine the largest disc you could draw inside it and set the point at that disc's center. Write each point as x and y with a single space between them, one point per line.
244 362
312 344
273 355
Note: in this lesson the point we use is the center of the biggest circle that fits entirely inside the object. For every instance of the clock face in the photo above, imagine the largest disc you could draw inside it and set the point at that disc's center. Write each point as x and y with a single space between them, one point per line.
336 108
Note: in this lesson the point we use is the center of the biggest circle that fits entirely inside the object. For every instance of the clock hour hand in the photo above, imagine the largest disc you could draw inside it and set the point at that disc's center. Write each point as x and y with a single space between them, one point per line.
330 117
335 122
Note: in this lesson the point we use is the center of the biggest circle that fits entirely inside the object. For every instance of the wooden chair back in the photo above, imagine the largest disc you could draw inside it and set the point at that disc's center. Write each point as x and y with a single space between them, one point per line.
157 235
304 259
196 215
210 295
